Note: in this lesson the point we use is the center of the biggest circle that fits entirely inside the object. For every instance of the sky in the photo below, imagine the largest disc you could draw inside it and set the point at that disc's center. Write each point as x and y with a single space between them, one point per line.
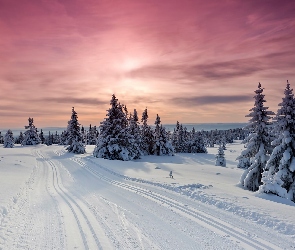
191 61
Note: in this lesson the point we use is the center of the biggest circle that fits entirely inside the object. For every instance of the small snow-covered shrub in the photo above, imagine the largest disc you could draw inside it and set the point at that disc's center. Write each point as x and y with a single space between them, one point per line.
220 159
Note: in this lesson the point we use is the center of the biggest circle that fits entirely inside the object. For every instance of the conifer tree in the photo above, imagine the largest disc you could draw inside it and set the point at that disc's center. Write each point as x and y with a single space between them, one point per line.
8 139
41 136
56 138
181 141
196 143
134 134
162 145
175 136
31 136
146 135
220 159
258 143
20 138
63 138
279 177
49 141
74 136
114 142
178 139
91 135
83 134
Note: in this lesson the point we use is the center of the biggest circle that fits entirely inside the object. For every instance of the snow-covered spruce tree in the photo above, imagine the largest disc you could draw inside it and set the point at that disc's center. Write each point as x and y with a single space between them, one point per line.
63 138
41 136
20 138
91 136
162 145
179 139
220 159
229 135
8 139
182 143
49 140
134 134
210 141
279 177
258 143
146 135
83 134
74 136
114 142
196 143
56 138
31 136
175 136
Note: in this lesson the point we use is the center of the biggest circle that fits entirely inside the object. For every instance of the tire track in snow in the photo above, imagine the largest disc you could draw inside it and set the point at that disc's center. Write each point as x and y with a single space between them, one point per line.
212 223
80 217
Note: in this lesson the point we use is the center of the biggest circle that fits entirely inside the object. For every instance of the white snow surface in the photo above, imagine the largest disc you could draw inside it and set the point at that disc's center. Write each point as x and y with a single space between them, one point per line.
52 199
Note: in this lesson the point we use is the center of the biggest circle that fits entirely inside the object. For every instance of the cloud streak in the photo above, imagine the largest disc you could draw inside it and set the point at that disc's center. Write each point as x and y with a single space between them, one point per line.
218 70
210 100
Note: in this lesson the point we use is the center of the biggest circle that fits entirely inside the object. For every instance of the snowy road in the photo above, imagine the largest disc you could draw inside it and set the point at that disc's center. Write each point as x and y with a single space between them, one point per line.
73 202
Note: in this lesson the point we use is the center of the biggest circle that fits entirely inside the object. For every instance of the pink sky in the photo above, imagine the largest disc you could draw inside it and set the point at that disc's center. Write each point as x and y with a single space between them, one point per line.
188 60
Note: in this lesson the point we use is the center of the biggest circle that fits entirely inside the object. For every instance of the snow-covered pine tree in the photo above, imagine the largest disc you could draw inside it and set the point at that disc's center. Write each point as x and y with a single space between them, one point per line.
258 143
146 135
31 136
8 139
114 141
56 138
91 135
279 177
210 140
229 135
196 143
1 138
48 140
63 138
175 136
179 141
74 136
83 134
162 145
41 136
134 135
20 138
220 159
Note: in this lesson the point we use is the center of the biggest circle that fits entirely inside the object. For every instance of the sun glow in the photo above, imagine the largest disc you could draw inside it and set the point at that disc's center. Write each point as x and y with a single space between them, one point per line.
130 64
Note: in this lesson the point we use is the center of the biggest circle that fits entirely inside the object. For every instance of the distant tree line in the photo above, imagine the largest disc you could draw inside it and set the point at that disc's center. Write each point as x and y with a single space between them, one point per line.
122 137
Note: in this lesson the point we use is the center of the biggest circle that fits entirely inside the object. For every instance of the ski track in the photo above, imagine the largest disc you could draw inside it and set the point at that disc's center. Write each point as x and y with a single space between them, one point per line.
216 225
189 191
32 205
89 232
126 235
53 210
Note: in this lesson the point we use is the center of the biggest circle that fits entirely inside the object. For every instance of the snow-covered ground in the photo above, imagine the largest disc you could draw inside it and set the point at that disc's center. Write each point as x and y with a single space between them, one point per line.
51 199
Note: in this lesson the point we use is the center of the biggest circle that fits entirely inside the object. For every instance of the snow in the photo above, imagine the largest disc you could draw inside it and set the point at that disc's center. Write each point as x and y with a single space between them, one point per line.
52 199
292 164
